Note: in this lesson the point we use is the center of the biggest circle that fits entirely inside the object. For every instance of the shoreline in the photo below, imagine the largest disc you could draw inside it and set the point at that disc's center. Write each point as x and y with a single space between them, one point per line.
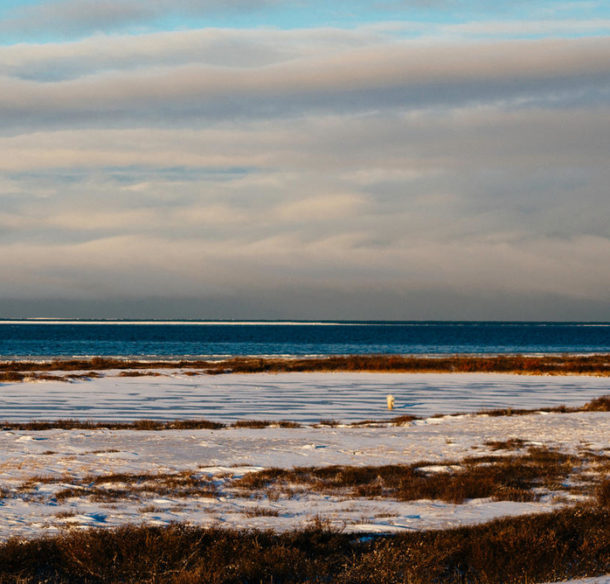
598 364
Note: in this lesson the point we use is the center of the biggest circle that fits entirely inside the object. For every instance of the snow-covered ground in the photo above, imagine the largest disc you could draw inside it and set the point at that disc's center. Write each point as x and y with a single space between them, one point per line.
34 466
598 580
303 397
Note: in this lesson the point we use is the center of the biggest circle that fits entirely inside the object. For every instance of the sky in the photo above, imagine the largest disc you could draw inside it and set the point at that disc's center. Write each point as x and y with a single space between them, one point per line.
363 159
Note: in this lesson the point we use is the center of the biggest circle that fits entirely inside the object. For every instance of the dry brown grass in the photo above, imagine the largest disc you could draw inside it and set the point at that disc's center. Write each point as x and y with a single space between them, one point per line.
510 444
11 376
329 423
531 549
117 486
549 364
400 420
288 424
135 486
262 512
603 494
514 478
139 373
600 404
151 509
133 425
28 375
257 424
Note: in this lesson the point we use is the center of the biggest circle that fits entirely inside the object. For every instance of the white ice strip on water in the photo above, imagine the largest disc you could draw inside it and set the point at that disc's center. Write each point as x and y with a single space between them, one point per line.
302 397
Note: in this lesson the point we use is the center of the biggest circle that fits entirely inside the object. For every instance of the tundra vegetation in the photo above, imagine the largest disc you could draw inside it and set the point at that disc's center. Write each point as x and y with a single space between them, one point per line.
14 371
570 543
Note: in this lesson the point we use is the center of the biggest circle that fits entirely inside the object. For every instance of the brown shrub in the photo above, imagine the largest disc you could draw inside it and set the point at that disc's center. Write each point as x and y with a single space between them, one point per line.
400 420
288 424
262 512
11 376
603 494
148 425
503 478
251 424
133 486
134 425
600 404
134 373
538 548
194 425
510 444
265 424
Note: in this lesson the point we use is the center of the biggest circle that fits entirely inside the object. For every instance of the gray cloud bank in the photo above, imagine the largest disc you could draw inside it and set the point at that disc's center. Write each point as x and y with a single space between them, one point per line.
547 73
373 179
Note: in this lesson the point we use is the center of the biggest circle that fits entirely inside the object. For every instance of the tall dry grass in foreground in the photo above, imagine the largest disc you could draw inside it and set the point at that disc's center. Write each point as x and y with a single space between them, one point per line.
536 548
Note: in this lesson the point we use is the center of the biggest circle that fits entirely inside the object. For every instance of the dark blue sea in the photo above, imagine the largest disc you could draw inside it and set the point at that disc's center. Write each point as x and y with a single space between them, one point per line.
36 339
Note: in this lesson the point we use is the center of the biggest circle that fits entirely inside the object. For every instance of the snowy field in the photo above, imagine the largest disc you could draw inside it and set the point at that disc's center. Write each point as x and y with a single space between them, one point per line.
302 397
598 580
28 457
37 465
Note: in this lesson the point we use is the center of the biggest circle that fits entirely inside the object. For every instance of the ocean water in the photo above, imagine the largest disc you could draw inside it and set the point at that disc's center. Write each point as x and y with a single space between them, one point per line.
188 339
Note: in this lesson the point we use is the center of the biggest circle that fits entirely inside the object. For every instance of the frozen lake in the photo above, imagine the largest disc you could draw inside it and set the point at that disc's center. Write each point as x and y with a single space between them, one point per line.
303 397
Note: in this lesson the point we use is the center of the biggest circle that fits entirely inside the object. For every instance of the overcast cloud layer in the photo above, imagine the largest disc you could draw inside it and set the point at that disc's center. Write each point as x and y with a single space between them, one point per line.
432 168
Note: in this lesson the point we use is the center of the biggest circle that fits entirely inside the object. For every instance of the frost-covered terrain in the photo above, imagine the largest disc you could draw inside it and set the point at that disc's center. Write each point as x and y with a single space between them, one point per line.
36 466
68 454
